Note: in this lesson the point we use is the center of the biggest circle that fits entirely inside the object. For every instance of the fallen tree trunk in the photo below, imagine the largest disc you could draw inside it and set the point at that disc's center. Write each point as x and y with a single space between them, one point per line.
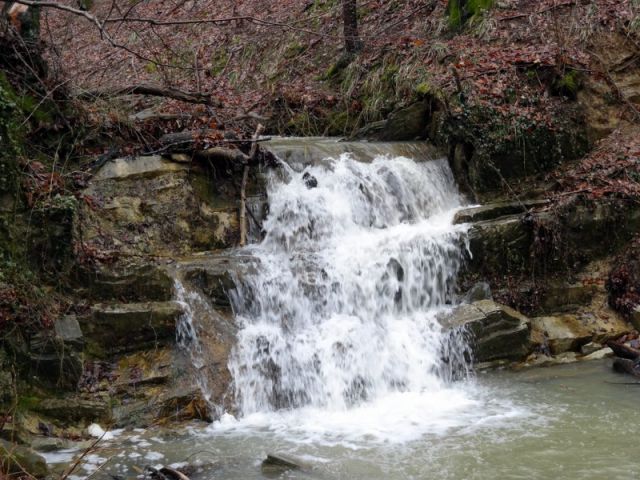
195 136
152 90
622 351
221 153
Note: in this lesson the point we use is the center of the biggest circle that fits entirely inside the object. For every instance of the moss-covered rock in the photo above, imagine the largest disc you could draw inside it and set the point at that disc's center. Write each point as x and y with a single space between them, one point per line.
489 149
20 460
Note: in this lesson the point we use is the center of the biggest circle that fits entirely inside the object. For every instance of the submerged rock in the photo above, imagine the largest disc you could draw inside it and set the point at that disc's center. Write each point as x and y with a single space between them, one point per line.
496 332
277 463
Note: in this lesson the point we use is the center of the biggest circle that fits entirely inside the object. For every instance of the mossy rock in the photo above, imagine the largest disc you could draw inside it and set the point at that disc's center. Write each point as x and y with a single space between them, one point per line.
489 149
19 460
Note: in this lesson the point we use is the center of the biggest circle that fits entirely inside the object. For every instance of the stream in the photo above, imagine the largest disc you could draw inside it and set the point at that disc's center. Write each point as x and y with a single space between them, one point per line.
341 359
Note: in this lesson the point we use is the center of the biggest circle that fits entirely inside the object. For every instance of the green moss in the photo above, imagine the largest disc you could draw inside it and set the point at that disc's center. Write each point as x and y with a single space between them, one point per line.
219 60
459 12
423 89
293 50
568 84
28 402
341 123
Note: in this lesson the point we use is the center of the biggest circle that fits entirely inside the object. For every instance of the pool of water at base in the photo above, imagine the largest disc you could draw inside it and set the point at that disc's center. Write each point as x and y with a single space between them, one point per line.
575 421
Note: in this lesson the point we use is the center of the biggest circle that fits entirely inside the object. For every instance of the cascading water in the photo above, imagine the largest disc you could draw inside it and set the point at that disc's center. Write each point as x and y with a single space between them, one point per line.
358 260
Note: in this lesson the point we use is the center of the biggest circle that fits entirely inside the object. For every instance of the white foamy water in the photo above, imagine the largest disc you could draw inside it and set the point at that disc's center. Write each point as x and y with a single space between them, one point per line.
339 330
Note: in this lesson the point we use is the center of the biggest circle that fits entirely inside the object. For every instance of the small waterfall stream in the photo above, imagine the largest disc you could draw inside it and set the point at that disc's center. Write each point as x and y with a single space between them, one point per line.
359 257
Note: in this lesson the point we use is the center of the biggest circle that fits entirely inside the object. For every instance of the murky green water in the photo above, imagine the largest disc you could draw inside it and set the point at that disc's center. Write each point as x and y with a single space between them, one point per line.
576 422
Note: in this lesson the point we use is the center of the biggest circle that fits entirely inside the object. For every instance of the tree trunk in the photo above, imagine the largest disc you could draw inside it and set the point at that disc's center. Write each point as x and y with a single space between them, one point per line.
352 42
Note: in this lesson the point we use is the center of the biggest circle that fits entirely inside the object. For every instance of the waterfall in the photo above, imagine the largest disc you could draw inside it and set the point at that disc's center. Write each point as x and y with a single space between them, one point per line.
358 260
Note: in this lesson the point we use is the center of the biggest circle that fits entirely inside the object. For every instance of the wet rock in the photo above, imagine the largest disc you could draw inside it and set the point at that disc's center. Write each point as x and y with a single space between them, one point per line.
309 180
496 332
128 327
278 463
480 291
500 245
590 348
184 404
216 275
599 354
495 210
73 410
18 459
562 333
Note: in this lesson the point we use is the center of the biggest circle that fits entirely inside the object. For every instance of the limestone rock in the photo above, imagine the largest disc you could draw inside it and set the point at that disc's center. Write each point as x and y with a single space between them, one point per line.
18 459
590 348
563 296
73 409
123 168
599 354
497 332
562 333
128 327
134 282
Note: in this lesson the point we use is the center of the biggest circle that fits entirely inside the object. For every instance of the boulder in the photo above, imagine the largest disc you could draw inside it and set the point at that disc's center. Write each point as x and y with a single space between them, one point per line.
18 460
562 333
496 332
409 123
